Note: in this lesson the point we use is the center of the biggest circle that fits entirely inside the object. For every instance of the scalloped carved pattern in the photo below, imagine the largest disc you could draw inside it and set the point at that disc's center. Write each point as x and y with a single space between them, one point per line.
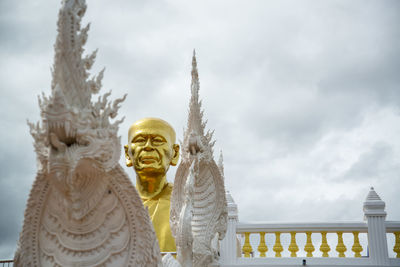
90 241
117 232
177 197
209 212
144 249
209 208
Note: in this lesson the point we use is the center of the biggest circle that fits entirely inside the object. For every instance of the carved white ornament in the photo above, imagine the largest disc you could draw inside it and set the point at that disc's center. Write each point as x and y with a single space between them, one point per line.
82 210
198 203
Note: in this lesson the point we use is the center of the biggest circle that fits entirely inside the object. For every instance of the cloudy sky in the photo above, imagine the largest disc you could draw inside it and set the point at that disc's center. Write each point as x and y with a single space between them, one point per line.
304 96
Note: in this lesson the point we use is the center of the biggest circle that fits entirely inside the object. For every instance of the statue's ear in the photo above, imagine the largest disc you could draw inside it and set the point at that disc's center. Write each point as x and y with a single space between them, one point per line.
175 158
129 162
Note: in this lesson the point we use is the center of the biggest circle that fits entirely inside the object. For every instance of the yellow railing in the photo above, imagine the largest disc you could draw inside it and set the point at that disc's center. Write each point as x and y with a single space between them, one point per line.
309 247
309 231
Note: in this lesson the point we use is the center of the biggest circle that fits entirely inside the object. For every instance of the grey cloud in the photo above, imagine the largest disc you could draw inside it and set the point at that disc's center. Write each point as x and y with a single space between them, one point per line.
17 176
341 75
376 164
278 209
27 26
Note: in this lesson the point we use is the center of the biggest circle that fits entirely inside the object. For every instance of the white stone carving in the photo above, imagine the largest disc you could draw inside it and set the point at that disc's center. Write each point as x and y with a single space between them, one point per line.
208 217
82 210
169 261
183 236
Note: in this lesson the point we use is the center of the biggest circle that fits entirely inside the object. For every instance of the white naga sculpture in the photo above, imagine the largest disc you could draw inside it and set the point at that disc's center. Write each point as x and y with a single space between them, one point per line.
198 203
82 210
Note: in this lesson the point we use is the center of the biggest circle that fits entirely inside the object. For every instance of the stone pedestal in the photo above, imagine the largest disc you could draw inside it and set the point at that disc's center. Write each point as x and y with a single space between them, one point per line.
375 215
229 243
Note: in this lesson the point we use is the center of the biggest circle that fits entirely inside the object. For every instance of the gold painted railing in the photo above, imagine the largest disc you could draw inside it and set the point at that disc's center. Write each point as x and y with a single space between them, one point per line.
274 231
293 248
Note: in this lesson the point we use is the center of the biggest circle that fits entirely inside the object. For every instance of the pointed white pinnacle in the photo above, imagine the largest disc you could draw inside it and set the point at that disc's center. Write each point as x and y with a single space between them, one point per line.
372 195
195 139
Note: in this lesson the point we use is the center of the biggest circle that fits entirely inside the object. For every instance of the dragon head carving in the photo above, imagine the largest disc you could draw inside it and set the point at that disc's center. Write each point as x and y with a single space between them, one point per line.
76 142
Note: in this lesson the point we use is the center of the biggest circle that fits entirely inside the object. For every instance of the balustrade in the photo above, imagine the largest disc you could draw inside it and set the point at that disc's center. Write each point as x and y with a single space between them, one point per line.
257 234
309 248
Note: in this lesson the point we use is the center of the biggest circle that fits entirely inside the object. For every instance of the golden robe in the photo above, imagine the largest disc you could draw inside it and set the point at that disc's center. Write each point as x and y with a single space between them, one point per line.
158 207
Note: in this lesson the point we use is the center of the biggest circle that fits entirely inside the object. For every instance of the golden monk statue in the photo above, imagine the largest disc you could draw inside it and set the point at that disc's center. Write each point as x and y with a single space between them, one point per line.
151 149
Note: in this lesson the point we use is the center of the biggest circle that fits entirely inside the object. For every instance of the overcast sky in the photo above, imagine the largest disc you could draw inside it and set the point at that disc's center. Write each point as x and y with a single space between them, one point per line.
304 96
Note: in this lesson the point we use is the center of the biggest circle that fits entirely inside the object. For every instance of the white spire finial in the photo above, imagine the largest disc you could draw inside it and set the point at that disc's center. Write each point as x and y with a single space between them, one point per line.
195 86
373 204
71 68
195 140
372 195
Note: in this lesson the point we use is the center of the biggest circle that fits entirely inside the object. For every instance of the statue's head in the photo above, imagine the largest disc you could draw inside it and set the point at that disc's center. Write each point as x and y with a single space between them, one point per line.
151 149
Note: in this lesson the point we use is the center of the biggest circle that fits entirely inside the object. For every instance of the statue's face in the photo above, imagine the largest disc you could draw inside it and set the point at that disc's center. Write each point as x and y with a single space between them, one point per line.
151 146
